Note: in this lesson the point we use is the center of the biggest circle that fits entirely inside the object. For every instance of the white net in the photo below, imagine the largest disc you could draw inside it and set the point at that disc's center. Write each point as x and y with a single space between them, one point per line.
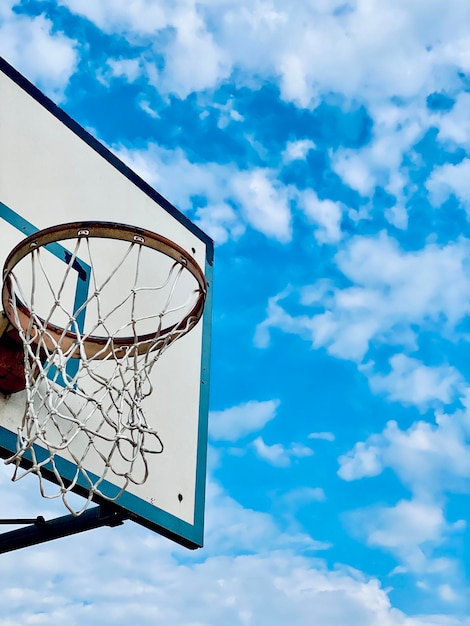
93 328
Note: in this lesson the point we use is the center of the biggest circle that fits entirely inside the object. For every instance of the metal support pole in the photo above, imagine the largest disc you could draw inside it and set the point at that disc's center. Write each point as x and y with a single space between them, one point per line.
41 531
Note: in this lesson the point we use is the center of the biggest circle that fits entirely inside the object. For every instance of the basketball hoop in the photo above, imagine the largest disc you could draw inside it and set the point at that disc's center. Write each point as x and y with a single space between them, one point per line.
87 362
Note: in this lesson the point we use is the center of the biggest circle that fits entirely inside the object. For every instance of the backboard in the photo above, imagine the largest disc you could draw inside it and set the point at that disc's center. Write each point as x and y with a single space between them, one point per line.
54 172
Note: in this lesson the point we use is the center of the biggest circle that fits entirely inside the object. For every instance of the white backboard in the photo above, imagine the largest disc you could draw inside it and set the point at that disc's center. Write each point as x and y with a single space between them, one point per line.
53 172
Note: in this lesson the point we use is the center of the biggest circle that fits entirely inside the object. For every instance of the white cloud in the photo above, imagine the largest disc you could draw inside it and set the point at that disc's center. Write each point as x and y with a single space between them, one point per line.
301 496
184 72
227 112
450 179
364 460
110 581
410 530
187 40
396 129
354 170
430 459
262 202
377 49
447 593
125 68
45 57
265 203
278 454
220 221
397 215
239 421
278 317
243 590
231 528
392 292
326 436
6 8
351 53
139 16
371 51
297 150
416 285
325 214
408 522
456 52
127 573
413 531
454 126
412 382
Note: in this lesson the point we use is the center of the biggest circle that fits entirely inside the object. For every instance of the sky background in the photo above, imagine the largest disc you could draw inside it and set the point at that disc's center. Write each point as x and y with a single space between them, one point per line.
325 146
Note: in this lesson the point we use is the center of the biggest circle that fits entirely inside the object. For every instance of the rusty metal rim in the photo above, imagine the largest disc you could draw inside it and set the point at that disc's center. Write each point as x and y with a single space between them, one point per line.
101 346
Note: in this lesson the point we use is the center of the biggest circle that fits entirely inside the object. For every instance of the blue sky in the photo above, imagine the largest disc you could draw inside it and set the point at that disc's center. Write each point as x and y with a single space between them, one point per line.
325 146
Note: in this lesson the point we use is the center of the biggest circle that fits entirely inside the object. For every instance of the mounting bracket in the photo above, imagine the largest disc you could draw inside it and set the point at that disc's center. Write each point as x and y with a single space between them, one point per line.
41 530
